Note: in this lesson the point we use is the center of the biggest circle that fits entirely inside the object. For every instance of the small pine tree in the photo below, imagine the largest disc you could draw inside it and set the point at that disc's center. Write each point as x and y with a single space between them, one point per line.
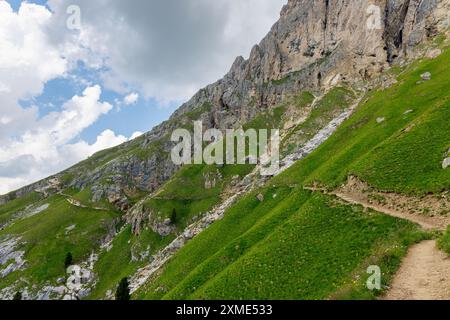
123 291
68 261
17 296
173 217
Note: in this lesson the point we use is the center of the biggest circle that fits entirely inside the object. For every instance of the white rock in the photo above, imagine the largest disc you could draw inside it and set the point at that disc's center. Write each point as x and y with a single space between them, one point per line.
426 76
70 228
381 120
9 258
434 53
446 163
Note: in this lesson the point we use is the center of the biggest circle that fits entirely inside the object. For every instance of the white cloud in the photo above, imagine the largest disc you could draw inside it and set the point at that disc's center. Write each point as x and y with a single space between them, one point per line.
26 169
135 135
46 148
57 128
130 99
27 61
165 49
81 150
32 148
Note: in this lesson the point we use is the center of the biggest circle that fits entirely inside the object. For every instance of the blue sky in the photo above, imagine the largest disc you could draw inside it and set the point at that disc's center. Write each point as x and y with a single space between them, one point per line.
15 4
126 120
67 93
123 120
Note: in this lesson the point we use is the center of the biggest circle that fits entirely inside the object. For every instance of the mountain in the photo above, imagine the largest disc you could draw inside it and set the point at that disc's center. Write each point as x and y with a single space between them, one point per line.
363 108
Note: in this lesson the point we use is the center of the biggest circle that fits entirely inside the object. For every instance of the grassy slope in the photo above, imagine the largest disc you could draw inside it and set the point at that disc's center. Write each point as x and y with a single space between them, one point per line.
283 247
46 242
8 210
254 234
386 154
184 192
187 194
117 263
332 104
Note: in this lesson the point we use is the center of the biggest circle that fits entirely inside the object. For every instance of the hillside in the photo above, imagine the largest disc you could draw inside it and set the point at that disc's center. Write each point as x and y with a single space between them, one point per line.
364 119
283 247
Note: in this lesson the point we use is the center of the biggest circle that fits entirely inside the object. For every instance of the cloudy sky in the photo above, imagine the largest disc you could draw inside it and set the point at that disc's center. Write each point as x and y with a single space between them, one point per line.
70 87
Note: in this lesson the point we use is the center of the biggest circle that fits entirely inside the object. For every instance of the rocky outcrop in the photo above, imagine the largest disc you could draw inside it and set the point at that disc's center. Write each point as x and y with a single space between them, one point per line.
141 217
11 259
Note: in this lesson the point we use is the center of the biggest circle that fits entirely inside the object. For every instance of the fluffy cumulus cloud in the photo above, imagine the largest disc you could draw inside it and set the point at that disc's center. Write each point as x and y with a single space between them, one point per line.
27 62
136 134
130 99
46 147
165 50
33 147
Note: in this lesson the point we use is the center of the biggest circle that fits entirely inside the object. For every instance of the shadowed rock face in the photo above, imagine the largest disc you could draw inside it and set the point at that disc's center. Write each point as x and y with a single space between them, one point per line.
314 45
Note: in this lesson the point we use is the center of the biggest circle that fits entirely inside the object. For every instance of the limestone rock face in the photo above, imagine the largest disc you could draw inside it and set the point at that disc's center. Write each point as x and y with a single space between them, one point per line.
313 45
316 44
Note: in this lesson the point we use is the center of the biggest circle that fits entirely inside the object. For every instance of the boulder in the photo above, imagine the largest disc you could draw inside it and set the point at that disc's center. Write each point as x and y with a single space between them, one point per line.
446 163
426 76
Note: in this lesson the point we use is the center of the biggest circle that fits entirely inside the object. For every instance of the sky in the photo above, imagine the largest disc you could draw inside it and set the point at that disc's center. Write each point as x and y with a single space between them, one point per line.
79 76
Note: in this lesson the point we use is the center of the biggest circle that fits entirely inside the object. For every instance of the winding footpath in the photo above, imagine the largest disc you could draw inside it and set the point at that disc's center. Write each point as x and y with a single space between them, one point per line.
425 271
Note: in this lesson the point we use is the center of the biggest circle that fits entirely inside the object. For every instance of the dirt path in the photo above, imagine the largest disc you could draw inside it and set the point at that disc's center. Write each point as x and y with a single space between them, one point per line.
426 222
425 272
423 275
78 204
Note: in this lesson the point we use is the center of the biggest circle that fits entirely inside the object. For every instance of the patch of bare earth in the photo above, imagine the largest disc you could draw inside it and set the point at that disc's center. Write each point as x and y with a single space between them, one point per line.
431 212
423 275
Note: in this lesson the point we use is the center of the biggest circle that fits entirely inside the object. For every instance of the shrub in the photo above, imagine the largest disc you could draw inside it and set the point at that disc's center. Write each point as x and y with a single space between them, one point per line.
68 261
123 291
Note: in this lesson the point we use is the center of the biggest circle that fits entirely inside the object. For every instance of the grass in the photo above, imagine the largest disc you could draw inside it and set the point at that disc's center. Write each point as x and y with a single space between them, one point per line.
8 210
330 105
116 264
304 99
444 241
186 192
292 245
282 248
307 257
270 119
46 243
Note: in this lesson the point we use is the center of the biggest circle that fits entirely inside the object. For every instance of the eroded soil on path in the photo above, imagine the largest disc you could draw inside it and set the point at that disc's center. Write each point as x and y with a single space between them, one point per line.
432 212
423 275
